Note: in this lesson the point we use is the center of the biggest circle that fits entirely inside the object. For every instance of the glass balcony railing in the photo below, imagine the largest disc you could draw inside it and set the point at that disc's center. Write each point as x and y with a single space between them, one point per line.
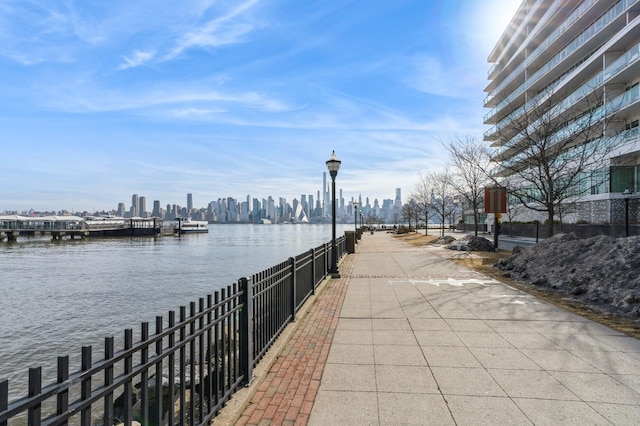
576 43
550 39
630 57
550 11
622 62
623 100
634 133
619 139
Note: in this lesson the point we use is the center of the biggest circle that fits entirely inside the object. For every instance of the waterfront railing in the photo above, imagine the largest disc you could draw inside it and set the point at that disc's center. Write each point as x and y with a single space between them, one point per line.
184 372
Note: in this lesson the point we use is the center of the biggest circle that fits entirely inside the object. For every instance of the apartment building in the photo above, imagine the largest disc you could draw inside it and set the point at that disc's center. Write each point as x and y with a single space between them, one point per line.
580 60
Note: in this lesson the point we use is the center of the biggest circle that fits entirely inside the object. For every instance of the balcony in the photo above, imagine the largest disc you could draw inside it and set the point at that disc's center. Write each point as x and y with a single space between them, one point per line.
577 43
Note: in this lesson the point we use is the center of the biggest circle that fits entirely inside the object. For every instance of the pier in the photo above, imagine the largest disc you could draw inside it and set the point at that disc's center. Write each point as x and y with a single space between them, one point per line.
59 227
13 226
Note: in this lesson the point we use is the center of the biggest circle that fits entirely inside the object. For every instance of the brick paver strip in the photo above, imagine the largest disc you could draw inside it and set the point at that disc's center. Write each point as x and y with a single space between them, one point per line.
286 395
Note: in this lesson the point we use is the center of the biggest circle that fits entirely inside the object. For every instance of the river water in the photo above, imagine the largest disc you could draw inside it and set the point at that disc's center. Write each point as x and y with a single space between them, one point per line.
56 297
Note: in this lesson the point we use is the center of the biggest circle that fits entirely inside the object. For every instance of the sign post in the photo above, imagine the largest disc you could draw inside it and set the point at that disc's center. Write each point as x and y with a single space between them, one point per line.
495 201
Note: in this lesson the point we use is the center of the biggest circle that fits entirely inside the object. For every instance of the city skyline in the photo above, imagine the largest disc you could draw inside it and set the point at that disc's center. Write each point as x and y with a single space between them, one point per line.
248 97
315 206
139 201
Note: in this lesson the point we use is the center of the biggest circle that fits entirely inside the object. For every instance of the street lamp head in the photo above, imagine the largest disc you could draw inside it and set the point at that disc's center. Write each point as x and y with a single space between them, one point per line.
355 204
333 164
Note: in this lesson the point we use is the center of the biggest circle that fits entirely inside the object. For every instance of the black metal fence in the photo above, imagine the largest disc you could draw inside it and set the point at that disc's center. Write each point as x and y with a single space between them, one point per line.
188 368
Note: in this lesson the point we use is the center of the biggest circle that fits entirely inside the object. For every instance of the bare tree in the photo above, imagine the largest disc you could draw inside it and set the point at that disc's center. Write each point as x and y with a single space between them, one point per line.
396 217
442 205
551 147
423 193
410 212
470 172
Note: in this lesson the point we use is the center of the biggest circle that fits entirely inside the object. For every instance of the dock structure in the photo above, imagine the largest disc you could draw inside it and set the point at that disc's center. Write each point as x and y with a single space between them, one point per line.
59 227
13 226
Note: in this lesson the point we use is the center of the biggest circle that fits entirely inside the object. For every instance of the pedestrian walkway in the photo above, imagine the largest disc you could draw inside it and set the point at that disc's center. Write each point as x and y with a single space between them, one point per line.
421 340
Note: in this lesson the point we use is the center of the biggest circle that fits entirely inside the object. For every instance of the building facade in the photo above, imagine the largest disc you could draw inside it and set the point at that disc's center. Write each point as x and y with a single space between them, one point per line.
579 57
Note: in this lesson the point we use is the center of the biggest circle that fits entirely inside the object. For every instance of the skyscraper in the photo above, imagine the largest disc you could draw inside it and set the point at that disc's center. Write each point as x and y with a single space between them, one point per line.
135 204
142 206
189 202
325 198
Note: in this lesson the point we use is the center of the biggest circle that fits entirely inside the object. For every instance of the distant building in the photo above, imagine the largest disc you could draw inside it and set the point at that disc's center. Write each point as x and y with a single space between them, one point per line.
325 196
142 207
135 205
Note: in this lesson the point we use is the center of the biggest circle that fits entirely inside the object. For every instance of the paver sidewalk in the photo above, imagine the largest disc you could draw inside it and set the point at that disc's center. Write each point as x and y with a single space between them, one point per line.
287 394
421 340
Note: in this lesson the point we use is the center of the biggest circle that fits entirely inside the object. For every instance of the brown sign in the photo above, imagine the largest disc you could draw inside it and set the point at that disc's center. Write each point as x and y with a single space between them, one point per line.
495 199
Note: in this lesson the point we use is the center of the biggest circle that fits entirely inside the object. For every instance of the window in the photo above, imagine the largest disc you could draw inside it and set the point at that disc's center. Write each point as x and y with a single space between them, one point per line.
599 181
622 178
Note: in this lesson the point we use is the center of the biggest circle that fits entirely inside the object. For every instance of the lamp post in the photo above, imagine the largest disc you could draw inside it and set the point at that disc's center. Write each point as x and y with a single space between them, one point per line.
626 194
456 201
333 164
361 219
355 220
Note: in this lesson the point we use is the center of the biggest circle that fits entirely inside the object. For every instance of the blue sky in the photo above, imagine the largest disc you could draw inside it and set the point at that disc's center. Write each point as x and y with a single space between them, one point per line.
103 99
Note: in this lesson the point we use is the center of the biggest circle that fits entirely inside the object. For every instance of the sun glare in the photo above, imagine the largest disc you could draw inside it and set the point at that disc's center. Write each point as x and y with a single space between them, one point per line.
496 14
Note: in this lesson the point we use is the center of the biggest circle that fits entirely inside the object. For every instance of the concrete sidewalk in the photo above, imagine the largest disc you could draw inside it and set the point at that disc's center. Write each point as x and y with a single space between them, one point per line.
421 340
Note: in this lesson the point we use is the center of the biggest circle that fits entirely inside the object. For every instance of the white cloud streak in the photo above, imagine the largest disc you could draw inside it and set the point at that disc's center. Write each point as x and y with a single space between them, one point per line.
138 58
224 30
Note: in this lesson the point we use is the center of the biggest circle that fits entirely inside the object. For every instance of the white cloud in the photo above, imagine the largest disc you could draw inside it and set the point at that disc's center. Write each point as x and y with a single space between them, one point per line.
224 30
195 112
136 60
431 75
81 98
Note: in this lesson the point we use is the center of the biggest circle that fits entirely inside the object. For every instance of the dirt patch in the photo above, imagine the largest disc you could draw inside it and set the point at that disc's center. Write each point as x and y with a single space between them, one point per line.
417 239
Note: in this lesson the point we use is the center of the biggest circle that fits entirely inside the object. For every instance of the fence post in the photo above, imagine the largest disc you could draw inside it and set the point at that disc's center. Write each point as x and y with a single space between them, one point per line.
35 387
85 386
144 358
107 416
157 415
294 284
62 399
326 258
4 399
246 330
128 386
313 271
